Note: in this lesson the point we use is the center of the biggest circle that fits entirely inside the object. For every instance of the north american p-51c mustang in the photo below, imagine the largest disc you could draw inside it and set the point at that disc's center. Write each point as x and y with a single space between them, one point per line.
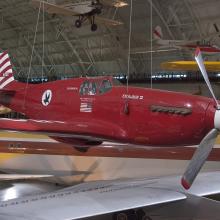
86 10
84 112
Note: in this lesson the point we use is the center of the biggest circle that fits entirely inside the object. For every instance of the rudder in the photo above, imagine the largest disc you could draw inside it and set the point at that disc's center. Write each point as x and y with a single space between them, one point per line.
6 72
158 35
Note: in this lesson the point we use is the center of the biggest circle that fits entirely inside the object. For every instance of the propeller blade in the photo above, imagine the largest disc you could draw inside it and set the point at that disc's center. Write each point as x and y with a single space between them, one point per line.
199 158
199 60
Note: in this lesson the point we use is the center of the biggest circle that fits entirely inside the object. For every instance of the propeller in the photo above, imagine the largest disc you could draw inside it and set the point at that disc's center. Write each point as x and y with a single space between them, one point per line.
206 145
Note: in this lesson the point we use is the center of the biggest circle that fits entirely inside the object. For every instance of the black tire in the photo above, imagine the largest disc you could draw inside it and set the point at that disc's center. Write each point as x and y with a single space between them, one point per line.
125 215
141 215
94 27
98 11
78 23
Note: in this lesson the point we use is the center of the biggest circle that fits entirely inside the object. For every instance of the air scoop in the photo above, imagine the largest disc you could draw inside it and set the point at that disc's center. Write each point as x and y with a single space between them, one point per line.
206 145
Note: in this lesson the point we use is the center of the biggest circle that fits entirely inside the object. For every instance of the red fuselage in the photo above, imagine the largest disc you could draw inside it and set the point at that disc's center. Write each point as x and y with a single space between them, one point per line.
98 108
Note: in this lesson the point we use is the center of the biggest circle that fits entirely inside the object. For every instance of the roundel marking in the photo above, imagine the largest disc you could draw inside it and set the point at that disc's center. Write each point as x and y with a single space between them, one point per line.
46 97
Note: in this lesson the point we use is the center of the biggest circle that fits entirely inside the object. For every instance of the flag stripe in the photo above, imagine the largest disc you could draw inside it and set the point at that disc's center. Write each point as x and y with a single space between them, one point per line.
5 61
5 66
6 82
6 70
2 60
85 107
3 54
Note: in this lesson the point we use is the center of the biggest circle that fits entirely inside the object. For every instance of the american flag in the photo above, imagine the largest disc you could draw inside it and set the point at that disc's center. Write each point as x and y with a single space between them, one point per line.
86 107
6 72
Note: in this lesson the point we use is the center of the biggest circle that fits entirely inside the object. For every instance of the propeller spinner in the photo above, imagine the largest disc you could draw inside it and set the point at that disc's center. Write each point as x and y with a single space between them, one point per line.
206 145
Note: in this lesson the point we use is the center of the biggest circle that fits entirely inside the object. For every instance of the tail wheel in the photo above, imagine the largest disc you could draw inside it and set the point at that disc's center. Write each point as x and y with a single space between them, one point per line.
94 27
78 23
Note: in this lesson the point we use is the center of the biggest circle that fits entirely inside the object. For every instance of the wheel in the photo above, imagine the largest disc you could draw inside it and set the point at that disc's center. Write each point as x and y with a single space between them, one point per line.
82 149
78 23
141 215
125 215
94 27
98 11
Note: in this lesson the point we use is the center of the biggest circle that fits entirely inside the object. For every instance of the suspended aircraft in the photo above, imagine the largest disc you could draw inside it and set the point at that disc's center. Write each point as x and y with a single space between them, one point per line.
188 65
98 109
85 11
205 46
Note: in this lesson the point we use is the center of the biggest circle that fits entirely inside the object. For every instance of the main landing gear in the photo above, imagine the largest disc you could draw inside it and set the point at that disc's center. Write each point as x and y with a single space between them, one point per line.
131 215
78 22
93 25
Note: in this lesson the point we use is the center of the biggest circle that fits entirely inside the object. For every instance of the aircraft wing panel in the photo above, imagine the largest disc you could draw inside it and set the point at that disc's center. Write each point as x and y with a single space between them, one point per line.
107 21
102 197
74 204
53 9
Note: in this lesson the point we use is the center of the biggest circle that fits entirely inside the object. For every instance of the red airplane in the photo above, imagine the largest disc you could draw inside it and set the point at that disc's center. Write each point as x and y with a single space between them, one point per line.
87 111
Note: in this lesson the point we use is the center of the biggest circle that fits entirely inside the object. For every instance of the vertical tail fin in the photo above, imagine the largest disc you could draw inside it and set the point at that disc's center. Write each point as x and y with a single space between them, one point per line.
158 35
6 72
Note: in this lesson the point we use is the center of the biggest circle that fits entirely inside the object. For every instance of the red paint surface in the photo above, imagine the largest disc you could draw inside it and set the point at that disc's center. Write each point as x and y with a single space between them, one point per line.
107 119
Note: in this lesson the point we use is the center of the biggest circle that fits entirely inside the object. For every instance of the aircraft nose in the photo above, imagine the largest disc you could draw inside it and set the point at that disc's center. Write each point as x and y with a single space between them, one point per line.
217 119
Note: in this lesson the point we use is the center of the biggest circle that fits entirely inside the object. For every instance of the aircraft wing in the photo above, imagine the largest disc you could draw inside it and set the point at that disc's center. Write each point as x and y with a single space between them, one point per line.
182 65
102 197
107 21
61 129
53 9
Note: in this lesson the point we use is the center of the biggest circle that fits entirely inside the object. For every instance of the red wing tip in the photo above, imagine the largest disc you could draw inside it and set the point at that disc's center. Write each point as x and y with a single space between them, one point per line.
185 184
197 51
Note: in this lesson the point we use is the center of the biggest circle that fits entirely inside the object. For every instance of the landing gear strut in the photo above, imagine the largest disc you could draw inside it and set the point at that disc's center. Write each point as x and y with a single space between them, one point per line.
78 22
93 25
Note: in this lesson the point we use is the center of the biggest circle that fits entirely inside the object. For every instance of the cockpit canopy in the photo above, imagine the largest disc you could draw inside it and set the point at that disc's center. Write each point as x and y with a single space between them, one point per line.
97 86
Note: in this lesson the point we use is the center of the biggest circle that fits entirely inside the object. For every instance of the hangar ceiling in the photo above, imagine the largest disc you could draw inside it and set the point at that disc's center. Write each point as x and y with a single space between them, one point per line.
69 51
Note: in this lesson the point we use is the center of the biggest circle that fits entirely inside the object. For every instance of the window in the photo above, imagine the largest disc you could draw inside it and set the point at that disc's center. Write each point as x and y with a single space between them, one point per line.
88 88
105 86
